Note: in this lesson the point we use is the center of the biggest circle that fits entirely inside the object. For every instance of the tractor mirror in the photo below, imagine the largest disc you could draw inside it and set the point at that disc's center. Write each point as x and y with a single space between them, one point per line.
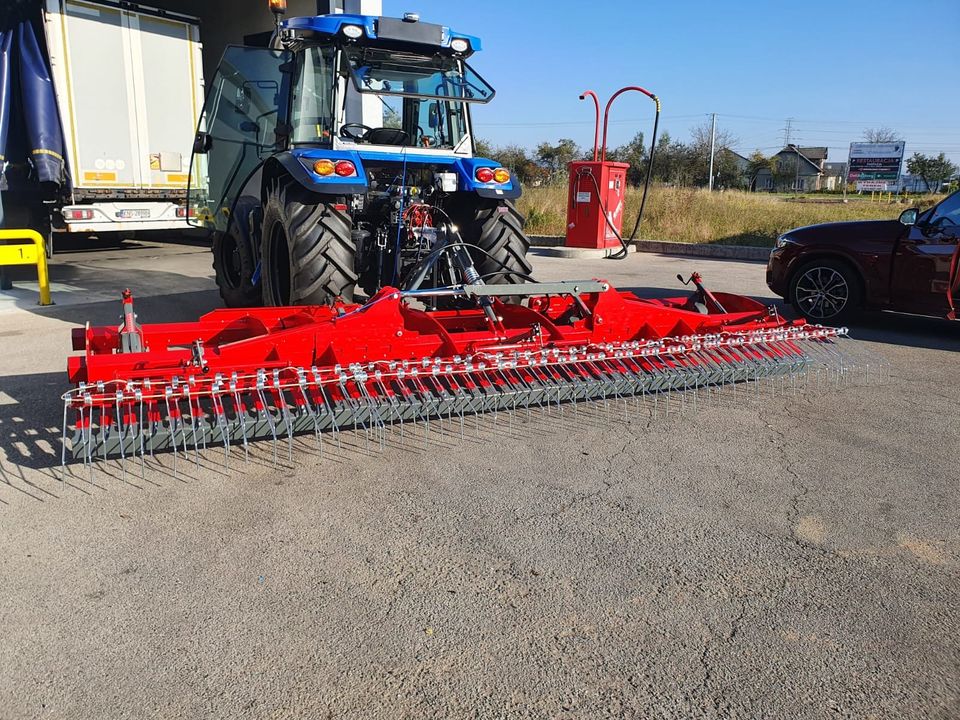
909 217
202 143
434 120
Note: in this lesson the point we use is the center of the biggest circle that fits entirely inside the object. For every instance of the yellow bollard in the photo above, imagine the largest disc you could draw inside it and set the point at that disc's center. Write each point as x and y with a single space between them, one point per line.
33 254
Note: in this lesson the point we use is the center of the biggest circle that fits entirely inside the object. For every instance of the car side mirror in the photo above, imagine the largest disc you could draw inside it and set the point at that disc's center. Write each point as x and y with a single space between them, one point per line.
202 143
909 217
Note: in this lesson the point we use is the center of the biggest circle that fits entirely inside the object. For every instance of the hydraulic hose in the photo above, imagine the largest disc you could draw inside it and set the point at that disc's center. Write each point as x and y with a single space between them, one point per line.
646 182
624 248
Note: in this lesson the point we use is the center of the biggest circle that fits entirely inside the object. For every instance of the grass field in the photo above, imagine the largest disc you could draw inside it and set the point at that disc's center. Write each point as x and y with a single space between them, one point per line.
697 216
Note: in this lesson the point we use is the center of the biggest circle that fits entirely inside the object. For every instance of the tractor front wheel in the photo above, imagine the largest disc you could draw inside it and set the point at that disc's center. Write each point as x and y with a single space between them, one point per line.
234 268
306 254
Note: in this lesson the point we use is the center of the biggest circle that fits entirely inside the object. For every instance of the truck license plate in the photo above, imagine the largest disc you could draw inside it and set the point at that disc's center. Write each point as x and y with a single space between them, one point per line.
133 214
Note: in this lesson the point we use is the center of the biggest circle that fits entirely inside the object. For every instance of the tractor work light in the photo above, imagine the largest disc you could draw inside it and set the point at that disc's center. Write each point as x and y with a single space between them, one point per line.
278 7
353 31
345 168
324 168
460 45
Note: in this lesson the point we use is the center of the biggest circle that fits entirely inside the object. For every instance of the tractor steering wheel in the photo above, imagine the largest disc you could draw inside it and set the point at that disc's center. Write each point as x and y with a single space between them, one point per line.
345 131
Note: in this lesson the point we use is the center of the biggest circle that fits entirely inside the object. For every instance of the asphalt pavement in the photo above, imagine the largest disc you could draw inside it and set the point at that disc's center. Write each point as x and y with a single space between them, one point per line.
782 555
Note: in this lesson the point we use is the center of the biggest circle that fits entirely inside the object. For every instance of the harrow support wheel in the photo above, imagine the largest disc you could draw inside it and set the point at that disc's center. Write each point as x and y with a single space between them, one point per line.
307 255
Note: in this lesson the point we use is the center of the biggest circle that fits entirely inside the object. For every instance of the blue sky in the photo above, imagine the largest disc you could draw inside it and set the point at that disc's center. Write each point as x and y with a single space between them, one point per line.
835 67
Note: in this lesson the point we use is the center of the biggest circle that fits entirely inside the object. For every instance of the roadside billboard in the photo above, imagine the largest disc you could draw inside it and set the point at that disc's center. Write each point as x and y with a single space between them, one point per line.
875 166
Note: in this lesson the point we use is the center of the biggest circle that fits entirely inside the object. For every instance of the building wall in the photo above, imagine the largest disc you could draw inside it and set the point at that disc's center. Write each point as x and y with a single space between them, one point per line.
227 22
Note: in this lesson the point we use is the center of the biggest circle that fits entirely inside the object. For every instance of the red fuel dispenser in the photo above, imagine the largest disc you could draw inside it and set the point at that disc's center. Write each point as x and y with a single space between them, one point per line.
597 193
593 187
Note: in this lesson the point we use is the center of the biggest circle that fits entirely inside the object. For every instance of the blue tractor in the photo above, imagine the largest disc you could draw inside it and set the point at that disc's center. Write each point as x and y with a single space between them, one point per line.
340 159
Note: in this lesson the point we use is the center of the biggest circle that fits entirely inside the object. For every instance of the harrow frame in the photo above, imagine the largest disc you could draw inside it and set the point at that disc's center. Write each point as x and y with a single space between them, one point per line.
235 376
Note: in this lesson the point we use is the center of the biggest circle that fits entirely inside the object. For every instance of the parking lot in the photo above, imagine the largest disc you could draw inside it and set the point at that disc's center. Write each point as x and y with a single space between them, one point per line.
788 555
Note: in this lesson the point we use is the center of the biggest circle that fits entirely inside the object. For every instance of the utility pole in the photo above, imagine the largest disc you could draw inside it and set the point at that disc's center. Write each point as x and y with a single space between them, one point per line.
713 142
796 179
787 132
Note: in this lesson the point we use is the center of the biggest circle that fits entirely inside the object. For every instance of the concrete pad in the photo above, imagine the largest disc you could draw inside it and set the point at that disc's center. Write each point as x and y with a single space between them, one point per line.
562 251
784 555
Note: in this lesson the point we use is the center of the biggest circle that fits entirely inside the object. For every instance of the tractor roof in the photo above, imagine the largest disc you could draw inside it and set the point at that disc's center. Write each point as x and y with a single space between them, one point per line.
384 31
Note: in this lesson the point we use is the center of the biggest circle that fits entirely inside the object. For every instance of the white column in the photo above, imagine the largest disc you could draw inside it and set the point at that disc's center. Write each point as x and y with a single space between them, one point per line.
366 109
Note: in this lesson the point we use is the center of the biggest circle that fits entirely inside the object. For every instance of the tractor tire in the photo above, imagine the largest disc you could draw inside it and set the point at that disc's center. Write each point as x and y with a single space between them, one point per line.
234 267
826 290
307 254
497 228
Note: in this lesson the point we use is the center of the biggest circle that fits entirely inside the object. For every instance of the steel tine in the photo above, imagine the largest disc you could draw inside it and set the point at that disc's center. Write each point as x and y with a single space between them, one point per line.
285 413
240 412
193 424
302 383
263 410
141 431
63 446
328 405
168 395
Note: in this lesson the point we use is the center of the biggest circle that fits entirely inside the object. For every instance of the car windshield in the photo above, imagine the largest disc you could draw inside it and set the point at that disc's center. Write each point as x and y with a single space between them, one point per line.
385 72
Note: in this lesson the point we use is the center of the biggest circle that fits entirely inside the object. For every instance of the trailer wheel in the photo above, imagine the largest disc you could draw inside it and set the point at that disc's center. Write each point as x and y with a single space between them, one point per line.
497 227
307 254
234 268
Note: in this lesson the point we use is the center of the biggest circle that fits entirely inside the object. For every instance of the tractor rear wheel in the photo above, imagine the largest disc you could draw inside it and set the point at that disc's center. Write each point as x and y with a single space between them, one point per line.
233 266
307 255
496 227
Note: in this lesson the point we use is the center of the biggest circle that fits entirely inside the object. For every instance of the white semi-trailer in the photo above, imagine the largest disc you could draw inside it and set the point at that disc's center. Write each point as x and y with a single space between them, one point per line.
128 87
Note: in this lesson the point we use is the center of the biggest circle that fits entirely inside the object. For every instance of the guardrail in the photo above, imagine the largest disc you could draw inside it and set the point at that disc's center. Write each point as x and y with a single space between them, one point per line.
33 253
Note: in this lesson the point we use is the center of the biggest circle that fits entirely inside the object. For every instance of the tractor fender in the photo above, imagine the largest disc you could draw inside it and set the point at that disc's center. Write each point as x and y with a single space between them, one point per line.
298 165
467 169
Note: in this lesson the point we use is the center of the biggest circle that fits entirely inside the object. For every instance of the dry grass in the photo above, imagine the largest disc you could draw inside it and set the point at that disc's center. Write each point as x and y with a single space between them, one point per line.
697 216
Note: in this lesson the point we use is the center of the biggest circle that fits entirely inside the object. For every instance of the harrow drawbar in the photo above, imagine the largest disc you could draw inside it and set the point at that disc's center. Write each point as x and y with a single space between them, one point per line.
236 377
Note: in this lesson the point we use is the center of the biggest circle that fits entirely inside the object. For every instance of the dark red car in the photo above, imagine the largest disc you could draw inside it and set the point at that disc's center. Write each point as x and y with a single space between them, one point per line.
908 265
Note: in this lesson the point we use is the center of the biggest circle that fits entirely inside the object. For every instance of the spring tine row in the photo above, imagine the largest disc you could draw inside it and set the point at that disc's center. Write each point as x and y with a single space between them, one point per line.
130 419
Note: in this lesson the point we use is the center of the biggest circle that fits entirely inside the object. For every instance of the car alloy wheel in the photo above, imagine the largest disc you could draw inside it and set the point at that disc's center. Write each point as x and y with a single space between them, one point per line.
822 292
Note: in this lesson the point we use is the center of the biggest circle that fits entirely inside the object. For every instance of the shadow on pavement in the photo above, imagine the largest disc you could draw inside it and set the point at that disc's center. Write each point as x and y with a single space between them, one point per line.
906 330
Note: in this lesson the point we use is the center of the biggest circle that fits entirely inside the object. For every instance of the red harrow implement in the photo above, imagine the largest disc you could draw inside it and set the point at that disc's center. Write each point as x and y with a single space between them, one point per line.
236 376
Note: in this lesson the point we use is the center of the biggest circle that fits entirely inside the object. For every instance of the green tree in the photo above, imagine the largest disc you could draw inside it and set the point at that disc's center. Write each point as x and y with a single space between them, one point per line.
725 168
671 162
634 153
555 158
758 162
484 148
516 159
934 171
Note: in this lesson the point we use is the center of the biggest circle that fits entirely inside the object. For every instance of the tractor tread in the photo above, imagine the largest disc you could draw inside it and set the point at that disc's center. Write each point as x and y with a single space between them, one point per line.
321 249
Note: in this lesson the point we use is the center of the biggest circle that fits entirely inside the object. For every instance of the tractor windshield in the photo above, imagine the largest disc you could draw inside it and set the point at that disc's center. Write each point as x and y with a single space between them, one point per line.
423 96
385 72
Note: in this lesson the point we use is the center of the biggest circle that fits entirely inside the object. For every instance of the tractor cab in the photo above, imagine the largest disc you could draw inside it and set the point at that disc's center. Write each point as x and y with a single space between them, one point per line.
364 83
342 156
